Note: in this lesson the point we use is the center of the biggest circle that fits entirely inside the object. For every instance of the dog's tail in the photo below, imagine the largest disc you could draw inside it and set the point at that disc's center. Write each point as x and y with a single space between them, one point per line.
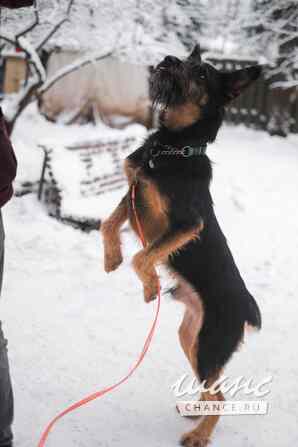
223 331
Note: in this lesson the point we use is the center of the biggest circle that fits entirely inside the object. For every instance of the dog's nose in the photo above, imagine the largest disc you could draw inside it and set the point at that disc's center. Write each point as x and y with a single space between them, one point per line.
172 60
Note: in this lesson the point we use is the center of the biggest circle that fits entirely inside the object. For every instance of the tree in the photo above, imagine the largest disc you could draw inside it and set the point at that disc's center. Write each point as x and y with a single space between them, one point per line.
36 82
142 32
274 32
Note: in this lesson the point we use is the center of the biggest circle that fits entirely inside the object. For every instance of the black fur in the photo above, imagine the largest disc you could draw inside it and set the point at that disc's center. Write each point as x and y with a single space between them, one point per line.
207 263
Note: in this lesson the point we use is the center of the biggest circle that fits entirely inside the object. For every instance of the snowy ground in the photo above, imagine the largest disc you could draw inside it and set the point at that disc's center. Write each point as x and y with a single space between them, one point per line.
73 329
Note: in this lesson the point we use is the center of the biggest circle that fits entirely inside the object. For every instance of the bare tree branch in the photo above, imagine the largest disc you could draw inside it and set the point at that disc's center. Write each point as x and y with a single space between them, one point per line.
33 58
70 4
13 105
51 33
31 26
55 28
7 39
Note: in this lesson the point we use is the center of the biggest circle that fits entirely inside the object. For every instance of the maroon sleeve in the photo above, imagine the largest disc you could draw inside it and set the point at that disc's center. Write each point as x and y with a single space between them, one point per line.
8 164
16 3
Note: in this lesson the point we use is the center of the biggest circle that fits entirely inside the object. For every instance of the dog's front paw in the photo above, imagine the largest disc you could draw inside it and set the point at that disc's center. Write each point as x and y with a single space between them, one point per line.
151 292
147 275
193 439
112 260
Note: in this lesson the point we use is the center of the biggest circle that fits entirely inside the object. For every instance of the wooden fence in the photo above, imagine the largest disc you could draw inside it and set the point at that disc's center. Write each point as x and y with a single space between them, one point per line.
261 106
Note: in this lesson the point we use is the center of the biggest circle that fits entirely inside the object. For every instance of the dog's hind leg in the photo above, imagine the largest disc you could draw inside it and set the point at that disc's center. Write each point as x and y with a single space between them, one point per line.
189 335
192 319
191 322
200 436
110 229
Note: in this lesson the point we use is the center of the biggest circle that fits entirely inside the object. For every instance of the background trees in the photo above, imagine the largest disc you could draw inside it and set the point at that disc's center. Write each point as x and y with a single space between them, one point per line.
274 33
145 30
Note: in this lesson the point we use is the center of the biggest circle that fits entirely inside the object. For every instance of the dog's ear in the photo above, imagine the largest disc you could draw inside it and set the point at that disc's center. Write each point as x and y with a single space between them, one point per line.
236 81
195 55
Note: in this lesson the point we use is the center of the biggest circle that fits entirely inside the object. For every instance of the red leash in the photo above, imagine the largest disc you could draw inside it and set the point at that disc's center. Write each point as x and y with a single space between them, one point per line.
147 343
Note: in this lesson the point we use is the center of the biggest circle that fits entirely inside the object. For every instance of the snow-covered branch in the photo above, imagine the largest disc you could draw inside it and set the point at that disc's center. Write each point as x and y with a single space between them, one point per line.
31 26
7 39
33 57
273 34
14 104
71 68
55 27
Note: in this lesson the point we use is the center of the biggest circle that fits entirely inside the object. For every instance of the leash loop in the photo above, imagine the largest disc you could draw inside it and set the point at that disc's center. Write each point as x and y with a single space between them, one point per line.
138 223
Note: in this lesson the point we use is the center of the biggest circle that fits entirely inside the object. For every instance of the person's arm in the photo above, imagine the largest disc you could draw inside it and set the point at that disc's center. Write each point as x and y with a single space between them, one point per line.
14 4
8 164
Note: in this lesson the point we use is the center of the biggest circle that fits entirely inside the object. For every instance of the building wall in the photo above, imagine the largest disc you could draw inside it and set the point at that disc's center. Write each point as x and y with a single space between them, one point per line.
105 88
15 73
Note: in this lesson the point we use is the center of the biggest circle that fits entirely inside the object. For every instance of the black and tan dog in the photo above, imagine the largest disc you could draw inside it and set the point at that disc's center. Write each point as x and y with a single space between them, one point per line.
172 173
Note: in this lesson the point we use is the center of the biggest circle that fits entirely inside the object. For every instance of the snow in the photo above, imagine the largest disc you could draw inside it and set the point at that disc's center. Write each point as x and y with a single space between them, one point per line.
145 31
83 183
286 84
73 329
63 143
34 57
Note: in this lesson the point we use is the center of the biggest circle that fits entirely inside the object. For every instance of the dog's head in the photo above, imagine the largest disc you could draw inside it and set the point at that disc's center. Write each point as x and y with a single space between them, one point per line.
188 90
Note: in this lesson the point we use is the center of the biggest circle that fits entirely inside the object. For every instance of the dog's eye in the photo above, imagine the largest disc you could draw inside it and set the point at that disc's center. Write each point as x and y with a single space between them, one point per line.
202 76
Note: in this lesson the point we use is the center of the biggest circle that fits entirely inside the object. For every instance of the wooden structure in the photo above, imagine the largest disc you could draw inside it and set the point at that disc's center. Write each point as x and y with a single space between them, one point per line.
15 73
261 106
81 181
106 89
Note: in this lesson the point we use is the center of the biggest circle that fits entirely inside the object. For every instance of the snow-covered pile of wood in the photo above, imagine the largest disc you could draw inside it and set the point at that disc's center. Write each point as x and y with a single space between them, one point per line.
83 179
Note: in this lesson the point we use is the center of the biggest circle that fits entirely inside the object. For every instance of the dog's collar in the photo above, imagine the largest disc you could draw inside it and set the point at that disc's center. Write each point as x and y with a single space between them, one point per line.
159 149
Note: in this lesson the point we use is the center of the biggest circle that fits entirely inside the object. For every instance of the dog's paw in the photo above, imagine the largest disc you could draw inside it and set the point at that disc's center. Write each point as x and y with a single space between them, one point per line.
112 261
151 292
147 275
193 439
